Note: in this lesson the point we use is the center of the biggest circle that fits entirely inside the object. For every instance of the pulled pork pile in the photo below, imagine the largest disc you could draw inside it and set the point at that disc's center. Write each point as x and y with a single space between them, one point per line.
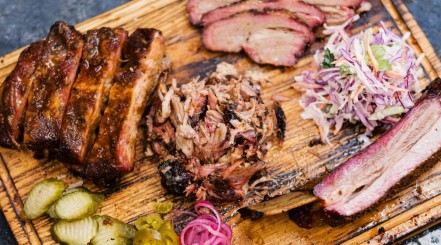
211 135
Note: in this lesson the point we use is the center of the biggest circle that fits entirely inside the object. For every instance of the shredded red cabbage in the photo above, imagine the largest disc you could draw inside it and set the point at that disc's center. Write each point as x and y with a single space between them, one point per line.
371 77
207 228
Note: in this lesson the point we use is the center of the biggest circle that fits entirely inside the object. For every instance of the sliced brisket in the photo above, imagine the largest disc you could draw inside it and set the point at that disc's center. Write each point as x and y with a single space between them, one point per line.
197 8
368 176
346 3
113 153
336 11
55 74
256 32
306 13
337 14
101 54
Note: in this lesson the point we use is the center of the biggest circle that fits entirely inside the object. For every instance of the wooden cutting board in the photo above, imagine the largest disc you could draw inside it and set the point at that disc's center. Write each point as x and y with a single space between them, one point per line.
417 206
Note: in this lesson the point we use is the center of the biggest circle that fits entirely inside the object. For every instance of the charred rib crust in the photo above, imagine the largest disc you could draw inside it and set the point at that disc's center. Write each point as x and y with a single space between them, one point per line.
14 95
113 152
55 75
101 55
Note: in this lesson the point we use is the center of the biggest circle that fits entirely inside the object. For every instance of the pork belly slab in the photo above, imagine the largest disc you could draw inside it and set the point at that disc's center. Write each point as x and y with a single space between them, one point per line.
14 94
101 55
55 74
113 153
197 8
306 13
414 142
255 32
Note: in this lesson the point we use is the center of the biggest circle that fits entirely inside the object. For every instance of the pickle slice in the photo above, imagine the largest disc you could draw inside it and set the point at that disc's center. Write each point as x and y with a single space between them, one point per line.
78 232
42 196
77 204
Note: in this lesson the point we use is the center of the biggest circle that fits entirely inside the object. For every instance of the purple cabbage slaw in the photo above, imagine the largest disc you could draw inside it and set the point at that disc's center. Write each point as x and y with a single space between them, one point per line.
371 77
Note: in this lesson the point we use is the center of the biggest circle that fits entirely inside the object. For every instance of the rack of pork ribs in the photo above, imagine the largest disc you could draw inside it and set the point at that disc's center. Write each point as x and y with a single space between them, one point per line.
80 97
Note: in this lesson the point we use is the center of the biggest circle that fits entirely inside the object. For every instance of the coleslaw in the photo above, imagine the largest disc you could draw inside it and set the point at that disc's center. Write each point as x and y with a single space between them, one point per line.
371 77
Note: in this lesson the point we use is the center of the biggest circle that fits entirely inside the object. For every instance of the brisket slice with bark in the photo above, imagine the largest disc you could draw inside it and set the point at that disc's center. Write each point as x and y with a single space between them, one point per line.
197 8
255 32
346 3
414 142
55 74
101 55
308 14
337 14
336 11
14 94
113 153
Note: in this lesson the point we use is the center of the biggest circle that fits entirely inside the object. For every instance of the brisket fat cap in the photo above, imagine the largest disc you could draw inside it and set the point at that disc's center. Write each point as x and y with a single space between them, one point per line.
364 179
255 32
197 8
306 13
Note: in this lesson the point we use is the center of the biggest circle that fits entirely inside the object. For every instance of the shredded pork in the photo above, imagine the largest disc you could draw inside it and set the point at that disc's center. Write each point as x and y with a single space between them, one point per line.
211 135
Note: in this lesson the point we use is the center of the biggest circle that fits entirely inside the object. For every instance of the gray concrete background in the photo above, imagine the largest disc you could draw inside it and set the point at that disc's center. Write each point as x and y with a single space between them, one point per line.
25 21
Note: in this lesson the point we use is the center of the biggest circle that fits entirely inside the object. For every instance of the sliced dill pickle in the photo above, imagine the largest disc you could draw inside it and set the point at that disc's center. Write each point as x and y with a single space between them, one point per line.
78 232
51 211
42 196
77 204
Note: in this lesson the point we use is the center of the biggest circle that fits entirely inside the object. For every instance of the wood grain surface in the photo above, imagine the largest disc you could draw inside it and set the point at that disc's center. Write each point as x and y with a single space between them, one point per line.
293 166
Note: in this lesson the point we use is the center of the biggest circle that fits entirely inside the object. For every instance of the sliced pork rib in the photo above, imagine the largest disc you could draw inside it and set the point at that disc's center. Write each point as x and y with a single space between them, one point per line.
55 74
255 32
197 8
367 177
101 54
14 95
113 153
306 13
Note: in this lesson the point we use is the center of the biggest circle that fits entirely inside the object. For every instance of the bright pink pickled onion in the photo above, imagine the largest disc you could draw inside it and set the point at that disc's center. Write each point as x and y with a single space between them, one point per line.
207 228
